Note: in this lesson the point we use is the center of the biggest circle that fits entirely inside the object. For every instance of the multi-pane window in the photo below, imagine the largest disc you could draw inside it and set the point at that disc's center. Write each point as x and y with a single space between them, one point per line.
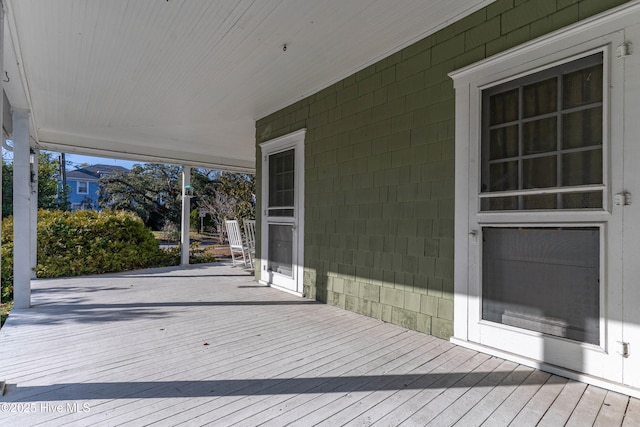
281 183
542 140
83 187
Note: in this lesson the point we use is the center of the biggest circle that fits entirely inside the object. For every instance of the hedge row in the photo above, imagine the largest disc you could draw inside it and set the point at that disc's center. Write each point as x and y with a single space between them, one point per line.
88 242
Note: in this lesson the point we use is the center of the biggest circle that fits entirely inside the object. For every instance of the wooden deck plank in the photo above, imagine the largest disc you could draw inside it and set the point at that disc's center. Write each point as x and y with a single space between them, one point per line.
349 377
453 403
261 368
612 410
386 387
482 410
564 405
517 400
632 416
322 403
233 356
318 350
440 361
268 381
405 401
322 395
132 347
588 407
538 405
317 354
413 353
403 370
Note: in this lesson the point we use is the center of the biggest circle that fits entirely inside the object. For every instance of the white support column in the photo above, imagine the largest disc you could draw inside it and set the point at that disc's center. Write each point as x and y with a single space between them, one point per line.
21 211
187 192
2 381
1 124
34 210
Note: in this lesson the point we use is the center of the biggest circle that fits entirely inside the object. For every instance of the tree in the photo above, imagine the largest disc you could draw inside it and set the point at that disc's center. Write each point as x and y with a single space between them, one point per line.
48 183
152 191
7 189
226 195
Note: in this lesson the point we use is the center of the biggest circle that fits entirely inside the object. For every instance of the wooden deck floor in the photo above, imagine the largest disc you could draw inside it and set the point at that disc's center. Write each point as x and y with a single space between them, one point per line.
207 345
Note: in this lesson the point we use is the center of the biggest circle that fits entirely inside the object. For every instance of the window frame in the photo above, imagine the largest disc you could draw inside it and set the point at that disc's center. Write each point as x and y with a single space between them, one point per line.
556 71
292 141
86 183
604 34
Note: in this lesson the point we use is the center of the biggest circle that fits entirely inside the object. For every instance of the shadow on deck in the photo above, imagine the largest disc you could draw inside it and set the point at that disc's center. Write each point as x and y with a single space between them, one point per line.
207 344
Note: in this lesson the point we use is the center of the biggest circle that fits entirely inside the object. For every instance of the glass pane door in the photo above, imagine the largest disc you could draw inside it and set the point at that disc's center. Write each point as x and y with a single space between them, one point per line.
283 219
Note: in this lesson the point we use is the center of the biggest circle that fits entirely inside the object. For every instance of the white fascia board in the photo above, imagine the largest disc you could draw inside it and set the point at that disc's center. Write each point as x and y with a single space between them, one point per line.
93 147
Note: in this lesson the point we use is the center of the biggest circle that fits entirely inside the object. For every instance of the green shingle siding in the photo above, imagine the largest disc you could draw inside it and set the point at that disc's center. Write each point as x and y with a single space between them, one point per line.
379 176
526 13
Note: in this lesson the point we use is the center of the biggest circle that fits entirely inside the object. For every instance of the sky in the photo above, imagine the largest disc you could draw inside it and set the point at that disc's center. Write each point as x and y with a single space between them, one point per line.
75 160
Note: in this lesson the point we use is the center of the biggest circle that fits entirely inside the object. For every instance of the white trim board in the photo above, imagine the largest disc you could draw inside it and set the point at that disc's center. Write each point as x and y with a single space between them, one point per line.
605 32
294 140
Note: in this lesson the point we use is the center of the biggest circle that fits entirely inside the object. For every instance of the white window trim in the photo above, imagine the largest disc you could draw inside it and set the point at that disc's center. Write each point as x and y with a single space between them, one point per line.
78 187
294 140
604 32
558 47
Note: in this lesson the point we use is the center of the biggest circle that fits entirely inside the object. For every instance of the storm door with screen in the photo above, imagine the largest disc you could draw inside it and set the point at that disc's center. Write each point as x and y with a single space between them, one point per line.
544 232
282 225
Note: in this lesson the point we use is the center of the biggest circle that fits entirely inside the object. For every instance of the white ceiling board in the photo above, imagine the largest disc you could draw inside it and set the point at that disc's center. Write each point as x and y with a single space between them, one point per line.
190 77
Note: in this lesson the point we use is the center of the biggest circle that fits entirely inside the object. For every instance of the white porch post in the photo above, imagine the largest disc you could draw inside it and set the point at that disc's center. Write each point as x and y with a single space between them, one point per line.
186 210
2 381
21 211
1 124
34 211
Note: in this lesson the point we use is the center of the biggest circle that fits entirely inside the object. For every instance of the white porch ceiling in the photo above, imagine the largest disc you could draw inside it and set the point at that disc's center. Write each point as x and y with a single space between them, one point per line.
185 80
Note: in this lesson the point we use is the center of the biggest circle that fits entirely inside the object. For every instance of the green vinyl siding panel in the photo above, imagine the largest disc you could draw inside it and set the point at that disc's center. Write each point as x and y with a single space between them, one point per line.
379 166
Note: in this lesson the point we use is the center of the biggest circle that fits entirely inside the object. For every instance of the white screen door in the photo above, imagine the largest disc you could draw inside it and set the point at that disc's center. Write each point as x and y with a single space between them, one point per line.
282 223
547 219
545 251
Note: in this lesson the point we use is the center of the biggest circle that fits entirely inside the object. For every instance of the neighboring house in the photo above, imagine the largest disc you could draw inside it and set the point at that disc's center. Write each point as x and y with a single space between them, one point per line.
472 186
84 184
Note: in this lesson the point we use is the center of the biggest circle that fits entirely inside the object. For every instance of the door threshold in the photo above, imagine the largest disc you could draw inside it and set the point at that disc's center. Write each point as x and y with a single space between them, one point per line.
552 369
281 288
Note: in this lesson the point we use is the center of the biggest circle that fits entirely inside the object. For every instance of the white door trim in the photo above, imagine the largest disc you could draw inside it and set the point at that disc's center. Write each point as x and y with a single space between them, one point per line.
605 31
294 140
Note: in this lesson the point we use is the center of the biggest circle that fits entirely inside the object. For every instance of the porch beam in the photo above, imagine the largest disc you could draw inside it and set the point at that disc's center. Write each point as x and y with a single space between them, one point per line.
21 210
185 241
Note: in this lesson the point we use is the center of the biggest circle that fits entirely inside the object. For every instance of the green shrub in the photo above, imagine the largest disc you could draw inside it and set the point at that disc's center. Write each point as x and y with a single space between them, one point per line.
6 269
170 232
197 255
90 242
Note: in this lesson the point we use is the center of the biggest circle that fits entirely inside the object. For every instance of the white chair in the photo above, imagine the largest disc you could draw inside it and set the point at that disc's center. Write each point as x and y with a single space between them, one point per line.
250 235
235 241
